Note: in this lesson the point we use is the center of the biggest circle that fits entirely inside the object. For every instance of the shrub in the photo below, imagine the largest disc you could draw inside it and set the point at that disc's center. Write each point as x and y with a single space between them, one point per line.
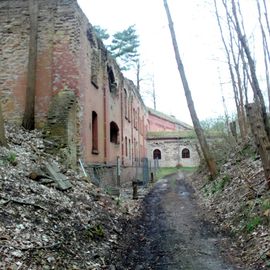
252 223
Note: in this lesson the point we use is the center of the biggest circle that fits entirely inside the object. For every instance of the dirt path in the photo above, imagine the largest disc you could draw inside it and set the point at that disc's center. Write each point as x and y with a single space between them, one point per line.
172 233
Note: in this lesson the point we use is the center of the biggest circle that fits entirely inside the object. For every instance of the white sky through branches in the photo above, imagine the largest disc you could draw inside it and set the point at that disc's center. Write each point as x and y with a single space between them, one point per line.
199 44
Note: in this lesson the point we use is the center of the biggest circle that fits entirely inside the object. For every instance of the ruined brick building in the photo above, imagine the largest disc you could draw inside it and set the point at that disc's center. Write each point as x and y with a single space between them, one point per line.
86 106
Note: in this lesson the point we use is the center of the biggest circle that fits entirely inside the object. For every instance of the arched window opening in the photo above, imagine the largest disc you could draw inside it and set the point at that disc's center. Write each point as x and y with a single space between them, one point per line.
185 153
111 78
114 133
156 154
94 133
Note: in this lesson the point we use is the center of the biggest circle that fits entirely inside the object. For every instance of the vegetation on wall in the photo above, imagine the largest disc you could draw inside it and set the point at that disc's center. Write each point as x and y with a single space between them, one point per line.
123 45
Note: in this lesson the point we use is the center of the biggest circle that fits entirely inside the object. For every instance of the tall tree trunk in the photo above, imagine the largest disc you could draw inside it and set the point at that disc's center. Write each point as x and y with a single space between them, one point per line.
235 78
224 104
255 83
266 53
197 126
266 17
154 93
3 141
29 111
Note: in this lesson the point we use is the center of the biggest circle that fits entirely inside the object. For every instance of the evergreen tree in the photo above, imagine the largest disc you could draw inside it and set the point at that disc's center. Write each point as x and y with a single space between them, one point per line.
124 47
101 32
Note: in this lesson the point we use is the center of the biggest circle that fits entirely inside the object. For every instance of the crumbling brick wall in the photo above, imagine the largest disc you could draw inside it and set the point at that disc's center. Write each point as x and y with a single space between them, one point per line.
61 127
75 79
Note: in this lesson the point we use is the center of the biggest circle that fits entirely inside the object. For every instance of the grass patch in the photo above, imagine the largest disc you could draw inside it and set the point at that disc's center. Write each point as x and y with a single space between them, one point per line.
189 169
217 186
253 223
95 232
165 171
170 170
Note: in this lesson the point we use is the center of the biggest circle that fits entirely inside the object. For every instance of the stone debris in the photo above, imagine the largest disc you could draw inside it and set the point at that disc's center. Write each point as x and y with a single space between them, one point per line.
47 224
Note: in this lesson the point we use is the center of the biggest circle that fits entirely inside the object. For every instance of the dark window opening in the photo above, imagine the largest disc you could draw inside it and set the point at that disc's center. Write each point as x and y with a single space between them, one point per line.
157 154
112 82
114 133
94 133
185 153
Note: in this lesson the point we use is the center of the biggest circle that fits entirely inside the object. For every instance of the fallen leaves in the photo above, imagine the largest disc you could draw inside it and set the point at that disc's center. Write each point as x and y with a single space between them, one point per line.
241 206
42 227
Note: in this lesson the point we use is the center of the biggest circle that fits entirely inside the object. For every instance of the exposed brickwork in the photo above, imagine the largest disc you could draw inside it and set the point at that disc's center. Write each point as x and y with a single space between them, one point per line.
61 126
76 79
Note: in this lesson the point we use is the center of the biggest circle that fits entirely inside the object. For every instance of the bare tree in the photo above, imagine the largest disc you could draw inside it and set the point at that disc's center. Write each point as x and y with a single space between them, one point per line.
266 17
266 53
197 126
150 89
233 60
251 64
29 112
224 104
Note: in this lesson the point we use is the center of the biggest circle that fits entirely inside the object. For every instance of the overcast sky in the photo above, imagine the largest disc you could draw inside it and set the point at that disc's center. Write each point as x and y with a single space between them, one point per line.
199 43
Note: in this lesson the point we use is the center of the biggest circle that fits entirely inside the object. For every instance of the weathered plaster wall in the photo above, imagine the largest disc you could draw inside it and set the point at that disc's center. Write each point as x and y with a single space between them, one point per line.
171 152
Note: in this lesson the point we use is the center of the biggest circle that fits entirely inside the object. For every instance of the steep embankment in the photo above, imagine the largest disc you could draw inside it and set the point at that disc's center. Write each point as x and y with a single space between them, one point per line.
241 204
42 227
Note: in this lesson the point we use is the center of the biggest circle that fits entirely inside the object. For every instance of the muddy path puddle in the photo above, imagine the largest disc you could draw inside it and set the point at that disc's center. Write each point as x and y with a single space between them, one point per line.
173 233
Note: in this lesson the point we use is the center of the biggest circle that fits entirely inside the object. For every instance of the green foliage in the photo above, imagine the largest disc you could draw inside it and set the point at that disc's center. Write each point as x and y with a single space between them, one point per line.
95 232
252 223
188 169
265 204
9 158
218 185
108 190
215 126
124 47
172 134
170 170
249 151
165 171
101 32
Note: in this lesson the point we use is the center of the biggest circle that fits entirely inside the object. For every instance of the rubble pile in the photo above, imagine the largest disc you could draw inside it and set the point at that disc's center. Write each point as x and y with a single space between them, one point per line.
43 227
240 202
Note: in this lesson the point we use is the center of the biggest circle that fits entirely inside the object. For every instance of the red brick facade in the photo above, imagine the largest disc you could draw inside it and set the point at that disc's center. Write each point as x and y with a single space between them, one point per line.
82 98
161 122
70 57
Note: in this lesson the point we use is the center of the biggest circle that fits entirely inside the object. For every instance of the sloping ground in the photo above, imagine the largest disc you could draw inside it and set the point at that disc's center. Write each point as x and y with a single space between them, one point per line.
42 227
241 204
